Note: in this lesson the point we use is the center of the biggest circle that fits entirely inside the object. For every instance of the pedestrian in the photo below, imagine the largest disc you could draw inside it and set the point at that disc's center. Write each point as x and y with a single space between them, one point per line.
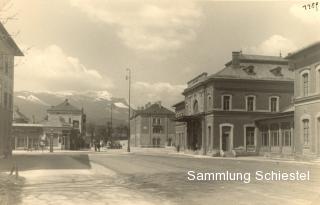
98 146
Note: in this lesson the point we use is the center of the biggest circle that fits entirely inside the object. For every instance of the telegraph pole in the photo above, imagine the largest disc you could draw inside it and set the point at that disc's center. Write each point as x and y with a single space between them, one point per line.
111 121
51 140
129 85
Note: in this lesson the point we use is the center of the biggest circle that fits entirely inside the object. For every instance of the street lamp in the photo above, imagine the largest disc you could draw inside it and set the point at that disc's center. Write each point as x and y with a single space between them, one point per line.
128 77
51 140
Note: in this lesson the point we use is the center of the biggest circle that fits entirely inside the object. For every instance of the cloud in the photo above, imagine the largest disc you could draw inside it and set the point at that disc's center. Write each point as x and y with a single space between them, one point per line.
51 69
272 46
160 91
310 16
146 26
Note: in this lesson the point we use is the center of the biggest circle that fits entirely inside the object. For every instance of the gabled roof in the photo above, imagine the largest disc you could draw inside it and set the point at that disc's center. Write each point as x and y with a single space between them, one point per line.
64 107
154 109
18 117
7 39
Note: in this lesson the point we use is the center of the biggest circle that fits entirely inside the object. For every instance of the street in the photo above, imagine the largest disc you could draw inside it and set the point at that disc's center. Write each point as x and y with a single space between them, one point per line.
148 178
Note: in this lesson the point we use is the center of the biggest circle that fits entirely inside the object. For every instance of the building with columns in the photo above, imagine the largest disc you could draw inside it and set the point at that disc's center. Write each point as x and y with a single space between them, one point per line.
8 50
220 110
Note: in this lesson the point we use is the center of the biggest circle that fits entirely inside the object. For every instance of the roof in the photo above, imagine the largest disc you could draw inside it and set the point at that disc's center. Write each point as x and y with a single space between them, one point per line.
179 103
154 109
259 71
260 59
64 107
6 37
311 46
26 125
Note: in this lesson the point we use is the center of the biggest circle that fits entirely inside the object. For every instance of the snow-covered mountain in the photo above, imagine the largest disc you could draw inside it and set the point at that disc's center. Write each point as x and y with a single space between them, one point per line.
96 104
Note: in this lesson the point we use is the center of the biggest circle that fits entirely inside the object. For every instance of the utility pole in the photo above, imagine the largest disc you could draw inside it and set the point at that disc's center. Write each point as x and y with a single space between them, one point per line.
111 121
129 84
51 140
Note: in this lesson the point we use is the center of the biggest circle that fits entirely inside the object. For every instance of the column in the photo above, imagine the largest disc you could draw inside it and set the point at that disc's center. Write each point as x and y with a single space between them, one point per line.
204 138
269 136
280 138
292 138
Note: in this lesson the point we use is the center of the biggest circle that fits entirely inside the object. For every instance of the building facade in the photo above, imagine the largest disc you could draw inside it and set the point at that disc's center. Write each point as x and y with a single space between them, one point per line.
8 50
66 125
64 129
220 110
306 65
152 126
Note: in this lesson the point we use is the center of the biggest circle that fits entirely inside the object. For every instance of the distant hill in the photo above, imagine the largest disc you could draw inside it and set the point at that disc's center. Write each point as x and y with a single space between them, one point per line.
96 105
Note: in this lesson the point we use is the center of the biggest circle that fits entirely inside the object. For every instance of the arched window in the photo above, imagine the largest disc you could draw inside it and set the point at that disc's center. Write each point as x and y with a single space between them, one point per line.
195 106
305 78
209 103
305 83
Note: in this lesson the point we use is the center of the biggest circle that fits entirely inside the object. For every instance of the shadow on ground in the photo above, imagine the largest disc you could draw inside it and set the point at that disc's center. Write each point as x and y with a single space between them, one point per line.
45 161
10 189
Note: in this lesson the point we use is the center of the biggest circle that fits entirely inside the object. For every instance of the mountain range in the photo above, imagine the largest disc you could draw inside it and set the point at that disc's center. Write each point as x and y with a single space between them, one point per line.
96 105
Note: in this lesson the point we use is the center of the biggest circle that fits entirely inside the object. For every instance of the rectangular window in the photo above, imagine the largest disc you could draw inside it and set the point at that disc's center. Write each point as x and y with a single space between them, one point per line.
157 130
250 136
250 103
306 132
226 103
6 65
274 104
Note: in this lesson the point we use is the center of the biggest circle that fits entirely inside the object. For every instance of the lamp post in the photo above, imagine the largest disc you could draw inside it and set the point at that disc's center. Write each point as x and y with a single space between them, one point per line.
51 140
111 121
129 85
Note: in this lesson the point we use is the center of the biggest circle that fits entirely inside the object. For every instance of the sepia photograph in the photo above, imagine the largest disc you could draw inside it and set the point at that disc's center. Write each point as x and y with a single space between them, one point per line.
151 102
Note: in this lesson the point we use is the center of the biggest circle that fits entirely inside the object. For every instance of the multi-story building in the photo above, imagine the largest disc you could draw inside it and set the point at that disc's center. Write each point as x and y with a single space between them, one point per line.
152 126
220 110
8 50
306 65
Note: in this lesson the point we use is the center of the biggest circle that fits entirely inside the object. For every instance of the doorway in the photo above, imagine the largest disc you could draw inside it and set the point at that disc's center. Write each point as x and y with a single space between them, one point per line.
226 137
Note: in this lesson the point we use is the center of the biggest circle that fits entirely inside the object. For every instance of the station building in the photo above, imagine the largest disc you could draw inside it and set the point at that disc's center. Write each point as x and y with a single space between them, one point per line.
219 113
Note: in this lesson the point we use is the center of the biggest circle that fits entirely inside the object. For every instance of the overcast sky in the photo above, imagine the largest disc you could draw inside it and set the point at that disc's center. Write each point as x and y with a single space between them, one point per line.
87 44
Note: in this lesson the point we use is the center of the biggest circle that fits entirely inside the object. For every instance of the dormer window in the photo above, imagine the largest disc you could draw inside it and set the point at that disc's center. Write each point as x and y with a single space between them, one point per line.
249 70
276 71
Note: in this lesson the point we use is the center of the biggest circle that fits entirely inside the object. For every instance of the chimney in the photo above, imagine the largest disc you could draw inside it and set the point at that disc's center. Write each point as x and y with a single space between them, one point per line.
236 59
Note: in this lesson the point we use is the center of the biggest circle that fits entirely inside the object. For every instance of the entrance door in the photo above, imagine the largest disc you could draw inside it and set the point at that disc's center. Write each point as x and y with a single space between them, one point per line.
225 141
